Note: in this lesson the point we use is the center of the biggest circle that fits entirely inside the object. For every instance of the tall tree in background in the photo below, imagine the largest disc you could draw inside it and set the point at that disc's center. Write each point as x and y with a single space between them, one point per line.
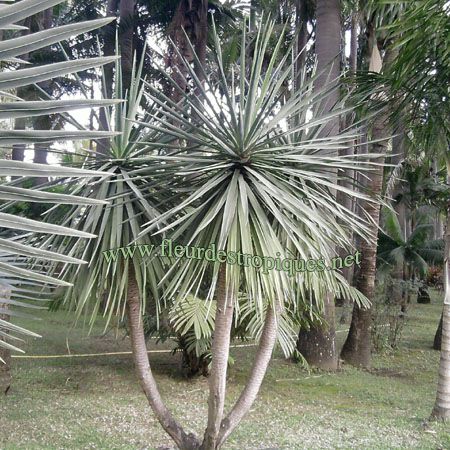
358 345
188 31
318 344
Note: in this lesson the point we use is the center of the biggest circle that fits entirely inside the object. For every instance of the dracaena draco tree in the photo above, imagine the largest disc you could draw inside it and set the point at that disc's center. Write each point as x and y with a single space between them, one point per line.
243 180
22 265
132 201
238 178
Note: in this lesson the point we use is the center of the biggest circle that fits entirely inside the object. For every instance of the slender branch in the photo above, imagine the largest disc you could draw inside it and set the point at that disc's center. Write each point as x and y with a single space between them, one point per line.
171 426
220 352
262 359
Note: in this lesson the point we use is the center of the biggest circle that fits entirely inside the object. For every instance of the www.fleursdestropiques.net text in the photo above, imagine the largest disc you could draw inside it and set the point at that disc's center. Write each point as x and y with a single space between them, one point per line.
171 249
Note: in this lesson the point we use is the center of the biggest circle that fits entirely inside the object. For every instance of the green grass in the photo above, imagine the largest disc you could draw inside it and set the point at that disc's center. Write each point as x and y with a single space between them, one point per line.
96 403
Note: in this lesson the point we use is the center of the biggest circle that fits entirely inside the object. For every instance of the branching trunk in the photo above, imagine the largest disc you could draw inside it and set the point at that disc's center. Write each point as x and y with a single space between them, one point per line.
262 359
220 353
442 406
183 440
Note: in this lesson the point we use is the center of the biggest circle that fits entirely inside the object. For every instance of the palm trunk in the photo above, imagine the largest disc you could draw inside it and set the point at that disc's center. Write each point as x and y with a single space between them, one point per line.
220 351
437 343
5 354
341 198
262 359
301 20
109 39
441 408
126 11
41 150
183 440
357 347
318 345
190 19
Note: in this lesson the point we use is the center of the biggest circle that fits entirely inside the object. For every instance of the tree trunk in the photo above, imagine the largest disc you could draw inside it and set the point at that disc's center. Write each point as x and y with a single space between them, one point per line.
259 368
126 11
109 39
220 353
349 175
18 150
5 354
441 408
437 343
41 150
357 347
301 19
183 440
191 20
318 345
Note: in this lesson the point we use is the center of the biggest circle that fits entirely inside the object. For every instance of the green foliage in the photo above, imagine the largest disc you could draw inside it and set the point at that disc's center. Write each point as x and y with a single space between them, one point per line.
414 253
22 265
242 179
132 202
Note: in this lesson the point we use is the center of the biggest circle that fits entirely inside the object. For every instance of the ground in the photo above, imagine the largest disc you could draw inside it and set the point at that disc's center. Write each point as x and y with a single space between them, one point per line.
94 402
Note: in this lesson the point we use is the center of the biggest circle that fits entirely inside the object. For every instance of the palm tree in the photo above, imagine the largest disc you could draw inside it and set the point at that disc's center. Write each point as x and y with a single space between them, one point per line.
318 344
418 87
21 274
244 182
409 256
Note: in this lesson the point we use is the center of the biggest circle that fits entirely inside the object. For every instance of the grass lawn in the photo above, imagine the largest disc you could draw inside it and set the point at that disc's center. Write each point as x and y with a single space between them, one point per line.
94 402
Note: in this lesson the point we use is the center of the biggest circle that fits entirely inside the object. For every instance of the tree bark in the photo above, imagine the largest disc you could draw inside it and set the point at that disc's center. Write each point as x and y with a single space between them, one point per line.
437 343
318 345
126 11
41 150
348 174
357 347
109 38
441 408
220 353
183 440
18 150
301 22
191 20
5 354
259 368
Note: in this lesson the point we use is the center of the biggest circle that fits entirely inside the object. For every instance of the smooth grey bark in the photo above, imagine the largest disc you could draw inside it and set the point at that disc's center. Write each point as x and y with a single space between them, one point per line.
183 440
259 368
441 408
220 353
318 344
